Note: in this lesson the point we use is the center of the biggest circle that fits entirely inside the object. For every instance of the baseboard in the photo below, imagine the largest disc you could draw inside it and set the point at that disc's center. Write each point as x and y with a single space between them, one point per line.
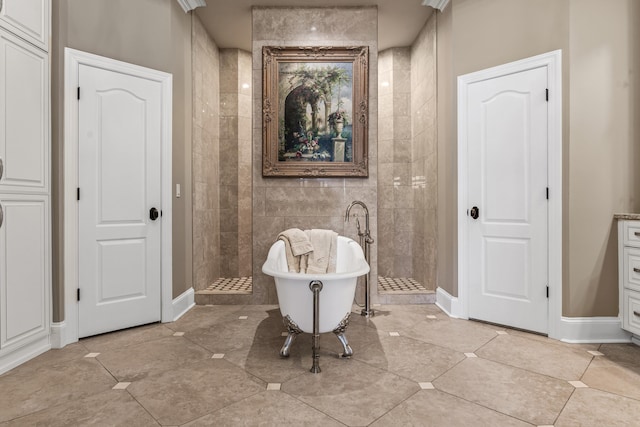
59 334
23 354
183 303
593 330
449 304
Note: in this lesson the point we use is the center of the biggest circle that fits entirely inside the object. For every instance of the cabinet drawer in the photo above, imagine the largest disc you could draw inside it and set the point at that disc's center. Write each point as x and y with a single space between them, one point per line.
631 312
632 233
631 266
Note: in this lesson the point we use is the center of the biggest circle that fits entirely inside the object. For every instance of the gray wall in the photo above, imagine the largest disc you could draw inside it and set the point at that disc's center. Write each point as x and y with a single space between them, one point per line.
600 136
150 33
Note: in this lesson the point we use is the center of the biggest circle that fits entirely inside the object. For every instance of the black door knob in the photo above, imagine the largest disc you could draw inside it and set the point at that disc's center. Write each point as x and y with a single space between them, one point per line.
153 214
475 212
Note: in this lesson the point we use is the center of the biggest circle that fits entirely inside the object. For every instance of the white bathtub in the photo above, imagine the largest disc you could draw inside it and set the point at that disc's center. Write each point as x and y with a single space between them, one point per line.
335 299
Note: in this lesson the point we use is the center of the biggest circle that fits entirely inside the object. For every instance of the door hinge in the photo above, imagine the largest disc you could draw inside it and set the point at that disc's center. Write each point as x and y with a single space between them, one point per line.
547 193
78 92
78 294
546 94
78 193
547 291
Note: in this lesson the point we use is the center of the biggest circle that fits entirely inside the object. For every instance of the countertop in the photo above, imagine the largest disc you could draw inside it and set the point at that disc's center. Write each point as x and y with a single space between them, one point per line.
627 216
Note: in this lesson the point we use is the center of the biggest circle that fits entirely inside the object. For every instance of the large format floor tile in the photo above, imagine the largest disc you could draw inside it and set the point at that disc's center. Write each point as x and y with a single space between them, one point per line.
126 337
456 334
620 378
269 408
548 359
51 385
588 407
184 394
350 391
220 365
112 407
409 358
433 408
530 397
138 361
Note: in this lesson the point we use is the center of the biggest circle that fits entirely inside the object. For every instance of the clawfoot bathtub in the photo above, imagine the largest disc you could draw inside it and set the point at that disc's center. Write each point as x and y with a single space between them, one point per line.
330 296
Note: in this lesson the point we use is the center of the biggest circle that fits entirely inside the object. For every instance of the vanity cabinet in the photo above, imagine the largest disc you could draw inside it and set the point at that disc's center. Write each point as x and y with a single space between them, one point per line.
25 214
629 274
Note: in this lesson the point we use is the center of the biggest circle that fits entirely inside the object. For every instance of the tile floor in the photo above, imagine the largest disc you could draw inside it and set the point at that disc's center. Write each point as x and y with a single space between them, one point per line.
400 285
413 366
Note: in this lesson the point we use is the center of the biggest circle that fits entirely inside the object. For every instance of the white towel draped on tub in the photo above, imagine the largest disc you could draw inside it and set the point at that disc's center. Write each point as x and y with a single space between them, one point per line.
310 251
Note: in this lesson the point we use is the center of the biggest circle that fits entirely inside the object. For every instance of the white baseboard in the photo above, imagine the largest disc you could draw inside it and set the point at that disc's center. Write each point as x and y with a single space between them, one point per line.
593 330
183 303
449 304
58 334
571 330
23 354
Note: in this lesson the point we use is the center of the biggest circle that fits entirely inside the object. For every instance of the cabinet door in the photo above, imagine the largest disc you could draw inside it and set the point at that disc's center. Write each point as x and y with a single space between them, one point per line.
28 19
24 270
24 116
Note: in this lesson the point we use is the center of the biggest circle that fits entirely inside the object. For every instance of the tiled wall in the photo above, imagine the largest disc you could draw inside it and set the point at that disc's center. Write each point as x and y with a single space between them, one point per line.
205 158
395 202
235 163
281 203
407 176
424 169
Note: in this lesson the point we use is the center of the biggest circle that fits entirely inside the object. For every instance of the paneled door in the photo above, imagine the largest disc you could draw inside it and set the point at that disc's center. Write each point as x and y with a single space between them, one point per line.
507 212
119 175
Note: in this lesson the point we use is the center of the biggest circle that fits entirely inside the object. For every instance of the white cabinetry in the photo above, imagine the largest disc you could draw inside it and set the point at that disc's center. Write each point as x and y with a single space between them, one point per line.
28 19
629 274
25 218
24 115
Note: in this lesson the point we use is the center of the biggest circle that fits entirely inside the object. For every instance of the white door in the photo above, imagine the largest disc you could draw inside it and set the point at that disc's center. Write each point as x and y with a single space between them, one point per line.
507 188
119 175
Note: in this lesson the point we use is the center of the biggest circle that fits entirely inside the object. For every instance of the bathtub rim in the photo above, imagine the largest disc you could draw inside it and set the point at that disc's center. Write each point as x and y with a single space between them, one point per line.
270 267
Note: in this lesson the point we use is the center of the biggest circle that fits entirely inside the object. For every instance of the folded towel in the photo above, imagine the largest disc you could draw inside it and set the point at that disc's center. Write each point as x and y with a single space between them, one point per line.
297 246
310 251
323 257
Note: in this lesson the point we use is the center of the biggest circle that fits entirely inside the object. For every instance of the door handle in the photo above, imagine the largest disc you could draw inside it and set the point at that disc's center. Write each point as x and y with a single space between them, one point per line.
153 214
474 212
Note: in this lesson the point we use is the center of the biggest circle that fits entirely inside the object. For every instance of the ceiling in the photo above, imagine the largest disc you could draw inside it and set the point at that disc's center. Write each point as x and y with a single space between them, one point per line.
229 21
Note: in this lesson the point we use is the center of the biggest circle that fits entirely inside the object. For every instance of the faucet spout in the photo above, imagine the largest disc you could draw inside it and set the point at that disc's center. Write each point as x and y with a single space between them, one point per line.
366 214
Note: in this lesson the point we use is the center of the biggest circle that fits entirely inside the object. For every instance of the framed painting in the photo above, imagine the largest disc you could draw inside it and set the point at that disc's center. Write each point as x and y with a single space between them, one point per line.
315 111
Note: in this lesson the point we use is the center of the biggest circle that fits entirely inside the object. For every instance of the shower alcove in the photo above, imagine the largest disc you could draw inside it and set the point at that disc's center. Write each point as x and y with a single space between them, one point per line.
237 215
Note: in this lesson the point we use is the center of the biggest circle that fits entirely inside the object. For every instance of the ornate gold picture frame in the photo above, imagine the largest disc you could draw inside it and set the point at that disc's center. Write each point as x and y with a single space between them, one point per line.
315 111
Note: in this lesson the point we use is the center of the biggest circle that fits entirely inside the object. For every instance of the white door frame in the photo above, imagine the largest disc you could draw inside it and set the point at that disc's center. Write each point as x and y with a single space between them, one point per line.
73 59
553 62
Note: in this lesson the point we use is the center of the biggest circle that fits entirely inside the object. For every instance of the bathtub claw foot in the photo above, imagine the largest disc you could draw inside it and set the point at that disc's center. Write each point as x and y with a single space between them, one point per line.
339 331
348 351
294 331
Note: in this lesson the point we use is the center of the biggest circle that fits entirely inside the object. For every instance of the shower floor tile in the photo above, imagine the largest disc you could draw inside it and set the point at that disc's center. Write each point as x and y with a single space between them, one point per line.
233 285
400 285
